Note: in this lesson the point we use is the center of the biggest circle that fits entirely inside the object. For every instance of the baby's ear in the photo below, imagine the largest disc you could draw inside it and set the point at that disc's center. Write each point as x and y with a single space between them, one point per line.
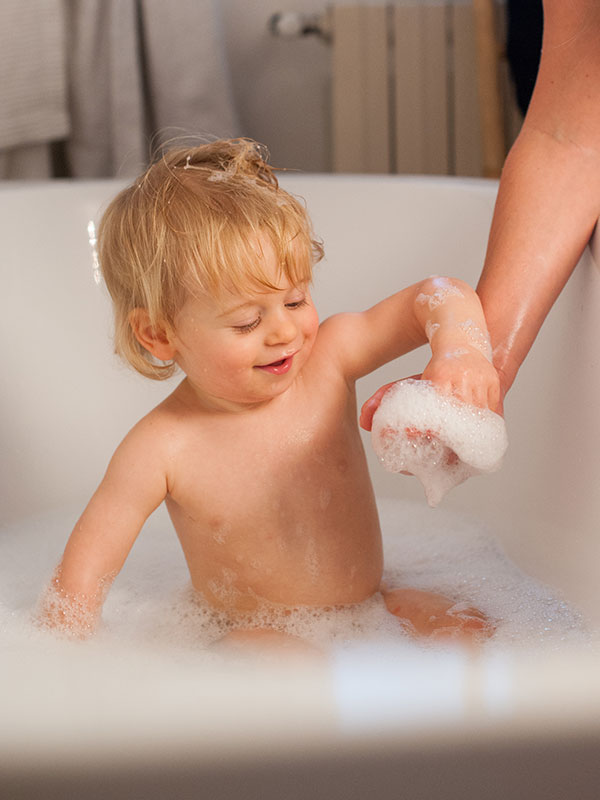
153 338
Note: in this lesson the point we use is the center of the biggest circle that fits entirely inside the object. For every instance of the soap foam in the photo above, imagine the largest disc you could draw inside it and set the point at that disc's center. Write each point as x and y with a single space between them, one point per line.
152 610
436 437
479 338
431 328
443 290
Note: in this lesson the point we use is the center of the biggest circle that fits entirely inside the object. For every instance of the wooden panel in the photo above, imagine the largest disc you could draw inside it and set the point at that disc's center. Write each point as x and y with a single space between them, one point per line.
435 53
466 120
421 89
409 82
492 122
360 89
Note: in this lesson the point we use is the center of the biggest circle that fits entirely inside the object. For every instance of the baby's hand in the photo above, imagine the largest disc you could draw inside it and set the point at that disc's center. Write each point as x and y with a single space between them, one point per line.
371 405
467 374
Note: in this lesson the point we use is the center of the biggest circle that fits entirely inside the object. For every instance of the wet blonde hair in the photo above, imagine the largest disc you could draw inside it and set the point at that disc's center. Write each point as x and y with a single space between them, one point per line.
190 224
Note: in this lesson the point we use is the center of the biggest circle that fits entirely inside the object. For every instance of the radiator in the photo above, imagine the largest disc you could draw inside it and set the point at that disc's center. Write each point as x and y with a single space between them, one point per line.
419 88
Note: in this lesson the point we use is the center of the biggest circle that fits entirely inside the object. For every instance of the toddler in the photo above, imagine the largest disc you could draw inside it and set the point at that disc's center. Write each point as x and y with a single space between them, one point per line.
257 452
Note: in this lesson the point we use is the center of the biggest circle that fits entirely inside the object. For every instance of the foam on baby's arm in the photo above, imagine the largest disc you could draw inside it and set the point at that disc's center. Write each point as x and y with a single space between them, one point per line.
132 488
73 614
452 319
436 437
446 304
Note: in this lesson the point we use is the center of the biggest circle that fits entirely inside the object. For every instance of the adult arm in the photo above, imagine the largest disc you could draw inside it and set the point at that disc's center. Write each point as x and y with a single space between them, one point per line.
549 195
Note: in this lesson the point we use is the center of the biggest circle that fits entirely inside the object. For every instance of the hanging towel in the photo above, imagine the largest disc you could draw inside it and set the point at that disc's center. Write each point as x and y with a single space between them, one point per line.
33 89
187 67
142 71
105 89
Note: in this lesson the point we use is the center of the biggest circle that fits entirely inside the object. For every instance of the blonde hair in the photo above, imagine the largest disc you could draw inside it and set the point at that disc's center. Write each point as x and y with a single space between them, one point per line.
190 224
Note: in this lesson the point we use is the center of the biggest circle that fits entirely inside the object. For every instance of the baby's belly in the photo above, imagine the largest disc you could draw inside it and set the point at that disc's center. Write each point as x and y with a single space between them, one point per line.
311 559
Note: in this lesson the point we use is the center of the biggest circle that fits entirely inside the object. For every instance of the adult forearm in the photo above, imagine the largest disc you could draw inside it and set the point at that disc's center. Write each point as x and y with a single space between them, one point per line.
549 196
546 210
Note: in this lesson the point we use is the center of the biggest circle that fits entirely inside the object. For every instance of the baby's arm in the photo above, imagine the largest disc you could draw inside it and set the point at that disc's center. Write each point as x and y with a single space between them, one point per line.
445 311
134 485
461 363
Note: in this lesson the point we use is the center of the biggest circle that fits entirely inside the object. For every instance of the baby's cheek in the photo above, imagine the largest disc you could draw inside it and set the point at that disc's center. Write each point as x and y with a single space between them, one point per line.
312 326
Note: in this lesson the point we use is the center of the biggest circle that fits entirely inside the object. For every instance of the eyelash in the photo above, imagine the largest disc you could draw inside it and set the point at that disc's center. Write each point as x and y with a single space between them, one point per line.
247 328
254 324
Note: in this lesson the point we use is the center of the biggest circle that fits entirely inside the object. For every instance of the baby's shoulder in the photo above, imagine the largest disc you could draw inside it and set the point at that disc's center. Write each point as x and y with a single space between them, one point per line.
335 330
156 434
337 339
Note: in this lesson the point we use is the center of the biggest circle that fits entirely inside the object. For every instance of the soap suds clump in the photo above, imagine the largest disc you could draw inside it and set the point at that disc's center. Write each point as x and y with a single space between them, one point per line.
436 437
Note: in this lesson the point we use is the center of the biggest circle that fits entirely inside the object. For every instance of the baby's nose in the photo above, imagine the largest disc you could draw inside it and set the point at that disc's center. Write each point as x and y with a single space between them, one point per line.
282 329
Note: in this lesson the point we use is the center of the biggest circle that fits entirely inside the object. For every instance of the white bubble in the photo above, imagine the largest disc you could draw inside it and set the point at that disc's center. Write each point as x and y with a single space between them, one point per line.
75 616
431 328
479 338
444 289
437 438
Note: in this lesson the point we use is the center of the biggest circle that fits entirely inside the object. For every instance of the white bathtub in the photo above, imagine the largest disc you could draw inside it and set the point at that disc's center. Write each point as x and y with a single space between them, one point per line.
87 720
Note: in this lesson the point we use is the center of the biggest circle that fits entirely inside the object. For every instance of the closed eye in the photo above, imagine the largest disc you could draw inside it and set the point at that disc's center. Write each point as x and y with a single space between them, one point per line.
297 303
250 326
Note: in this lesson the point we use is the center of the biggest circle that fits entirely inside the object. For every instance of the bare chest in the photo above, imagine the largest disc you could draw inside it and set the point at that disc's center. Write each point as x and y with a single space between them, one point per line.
285 504
268 466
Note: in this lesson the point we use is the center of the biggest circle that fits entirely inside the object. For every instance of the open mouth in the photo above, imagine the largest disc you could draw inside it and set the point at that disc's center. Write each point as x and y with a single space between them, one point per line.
277 367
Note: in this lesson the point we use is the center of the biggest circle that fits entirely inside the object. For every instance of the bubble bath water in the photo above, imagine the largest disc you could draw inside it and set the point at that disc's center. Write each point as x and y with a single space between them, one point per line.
151 606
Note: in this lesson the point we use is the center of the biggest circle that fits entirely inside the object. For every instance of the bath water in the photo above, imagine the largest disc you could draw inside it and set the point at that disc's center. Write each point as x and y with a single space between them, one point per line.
151 606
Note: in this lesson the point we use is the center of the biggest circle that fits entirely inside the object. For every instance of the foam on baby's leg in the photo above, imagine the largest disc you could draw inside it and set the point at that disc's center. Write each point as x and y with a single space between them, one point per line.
436 437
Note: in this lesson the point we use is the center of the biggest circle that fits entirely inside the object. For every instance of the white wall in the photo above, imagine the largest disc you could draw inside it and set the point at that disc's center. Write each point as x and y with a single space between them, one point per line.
281 86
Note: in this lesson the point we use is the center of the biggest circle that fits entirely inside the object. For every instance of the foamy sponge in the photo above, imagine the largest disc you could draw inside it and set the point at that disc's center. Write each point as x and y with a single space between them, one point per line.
436 437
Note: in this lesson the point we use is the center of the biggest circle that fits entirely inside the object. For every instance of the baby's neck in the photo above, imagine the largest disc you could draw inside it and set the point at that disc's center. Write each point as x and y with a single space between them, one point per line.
194 399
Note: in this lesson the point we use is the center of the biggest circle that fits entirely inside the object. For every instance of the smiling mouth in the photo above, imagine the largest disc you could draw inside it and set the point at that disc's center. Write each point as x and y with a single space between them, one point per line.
277 367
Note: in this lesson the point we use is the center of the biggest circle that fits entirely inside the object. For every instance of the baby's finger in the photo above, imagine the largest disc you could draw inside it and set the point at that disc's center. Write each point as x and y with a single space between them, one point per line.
371 405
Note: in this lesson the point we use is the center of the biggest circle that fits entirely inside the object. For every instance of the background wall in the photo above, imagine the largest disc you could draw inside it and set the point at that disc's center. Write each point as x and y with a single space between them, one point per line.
281 86
89 88
284 87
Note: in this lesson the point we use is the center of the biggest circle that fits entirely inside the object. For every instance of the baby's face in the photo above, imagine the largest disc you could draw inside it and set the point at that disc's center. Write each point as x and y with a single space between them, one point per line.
248 348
